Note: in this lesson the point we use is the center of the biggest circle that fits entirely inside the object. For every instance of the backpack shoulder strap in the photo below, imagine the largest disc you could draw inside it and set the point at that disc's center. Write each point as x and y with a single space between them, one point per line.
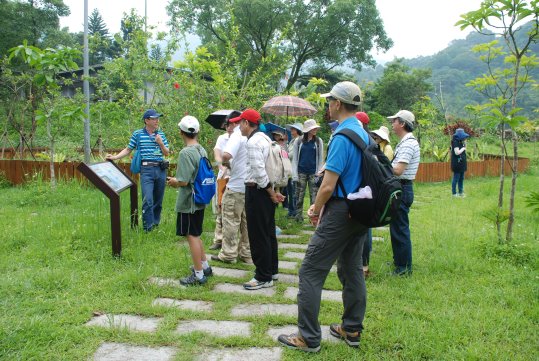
354 137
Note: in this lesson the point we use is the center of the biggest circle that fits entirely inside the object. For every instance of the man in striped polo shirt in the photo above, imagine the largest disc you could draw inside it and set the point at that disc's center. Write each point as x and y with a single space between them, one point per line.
405 165
153 146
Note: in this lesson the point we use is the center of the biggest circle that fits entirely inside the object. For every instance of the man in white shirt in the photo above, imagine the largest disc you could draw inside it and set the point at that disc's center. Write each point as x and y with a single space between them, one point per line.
222 175
234 219
260 200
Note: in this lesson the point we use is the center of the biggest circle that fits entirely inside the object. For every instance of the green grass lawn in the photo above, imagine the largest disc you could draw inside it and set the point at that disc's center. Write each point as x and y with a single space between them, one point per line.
469 298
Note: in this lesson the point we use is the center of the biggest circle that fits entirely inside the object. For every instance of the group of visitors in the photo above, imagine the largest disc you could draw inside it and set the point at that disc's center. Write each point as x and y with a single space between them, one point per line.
245 204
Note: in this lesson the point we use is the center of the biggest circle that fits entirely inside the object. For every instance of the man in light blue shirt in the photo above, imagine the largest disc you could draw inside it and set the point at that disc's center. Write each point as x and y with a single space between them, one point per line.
337 236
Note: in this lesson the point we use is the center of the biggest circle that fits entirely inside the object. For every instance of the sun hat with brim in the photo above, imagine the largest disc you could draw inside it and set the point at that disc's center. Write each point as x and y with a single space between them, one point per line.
309 125
297 126
250 115
460 134
151 113
382 132
406 116
345 91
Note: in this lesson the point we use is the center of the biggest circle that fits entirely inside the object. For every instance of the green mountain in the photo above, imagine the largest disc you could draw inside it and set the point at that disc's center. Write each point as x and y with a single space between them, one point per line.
455 66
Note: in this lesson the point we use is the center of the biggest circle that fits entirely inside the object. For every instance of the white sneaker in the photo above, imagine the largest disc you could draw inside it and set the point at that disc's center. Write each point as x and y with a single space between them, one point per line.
255 284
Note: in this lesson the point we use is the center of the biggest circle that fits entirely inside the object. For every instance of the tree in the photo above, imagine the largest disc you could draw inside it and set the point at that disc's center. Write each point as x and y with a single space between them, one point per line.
298 33
44 65
502 85
400 87
30 20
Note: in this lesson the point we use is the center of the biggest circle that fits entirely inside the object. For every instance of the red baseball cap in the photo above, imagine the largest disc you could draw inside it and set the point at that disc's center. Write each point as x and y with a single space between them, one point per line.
250 115
363 117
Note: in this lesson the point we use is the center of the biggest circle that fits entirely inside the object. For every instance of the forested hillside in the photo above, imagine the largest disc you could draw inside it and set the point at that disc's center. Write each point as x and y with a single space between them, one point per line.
452 68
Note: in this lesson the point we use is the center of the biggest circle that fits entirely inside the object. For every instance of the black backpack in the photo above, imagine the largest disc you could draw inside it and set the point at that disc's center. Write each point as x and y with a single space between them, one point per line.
377 173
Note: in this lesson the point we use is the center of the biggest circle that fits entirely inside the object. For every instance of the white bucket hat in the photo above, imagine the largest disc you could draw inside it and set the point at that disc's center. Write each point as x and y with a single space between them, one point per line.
309 125
382 132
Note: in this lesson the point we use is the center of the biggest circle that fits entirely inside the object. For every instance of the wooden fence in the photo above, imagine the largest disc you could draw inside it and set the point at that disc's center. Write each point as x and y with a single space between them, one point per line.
20 171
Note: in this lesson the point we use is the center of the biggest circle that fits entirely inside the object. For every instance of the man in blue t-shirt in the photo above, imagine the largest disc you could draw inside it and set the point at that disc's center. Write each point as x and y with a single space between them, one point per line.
337 237
153 146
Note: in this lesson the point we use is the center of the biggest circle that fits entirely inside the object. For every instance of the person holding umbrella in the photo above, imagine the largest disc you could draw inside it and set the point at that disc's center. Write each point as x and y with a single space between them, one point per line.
307 162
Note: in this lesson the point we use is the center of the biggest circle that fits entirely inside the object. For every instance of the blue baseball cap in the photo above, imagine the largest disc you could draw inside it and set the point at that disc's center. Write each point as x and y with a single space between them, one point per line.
151 113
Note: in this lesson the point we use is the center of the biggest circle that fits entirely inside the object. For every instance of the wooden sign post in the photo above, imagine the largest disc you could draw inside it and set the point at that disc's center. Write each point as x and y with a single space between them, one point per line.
111 180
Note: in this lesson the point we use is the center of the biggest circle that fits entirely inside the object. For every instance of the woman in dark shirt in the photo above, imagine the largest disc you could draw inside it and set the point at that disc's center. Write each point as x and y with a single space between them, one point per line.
458 161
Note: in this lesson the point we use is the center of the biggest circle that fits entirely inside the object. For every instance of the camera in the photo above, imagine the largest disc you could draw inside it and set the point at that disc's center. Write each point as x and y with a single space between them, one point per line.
164 164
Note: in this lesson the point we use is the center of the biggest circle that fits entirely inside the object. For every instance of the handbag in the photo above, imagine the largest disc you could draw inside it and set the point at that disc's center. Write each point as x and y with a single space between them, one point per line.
137 158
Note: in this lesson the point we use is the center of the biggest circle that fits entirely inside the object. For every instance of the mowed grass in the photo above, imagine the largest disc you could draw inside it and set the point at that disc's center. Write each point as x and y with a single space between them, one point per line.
469 298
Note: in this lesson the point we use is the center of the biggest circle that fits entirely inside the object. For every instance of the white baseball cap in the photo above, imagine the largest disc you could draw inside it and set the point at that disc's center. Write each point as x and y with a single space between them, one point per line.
407 116
345 91
189 124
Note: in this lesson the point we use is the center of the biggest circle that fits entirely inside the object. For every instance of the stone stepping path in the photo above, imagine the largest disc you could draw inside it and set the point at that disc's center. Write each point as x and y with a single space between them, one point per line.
131 322
264 310
288 265
165 282
309 232
379 239
289 329
190 305
230 272
233 288
249 354
288 236
298 255
215 328
110 351
327 295
292 246
287 278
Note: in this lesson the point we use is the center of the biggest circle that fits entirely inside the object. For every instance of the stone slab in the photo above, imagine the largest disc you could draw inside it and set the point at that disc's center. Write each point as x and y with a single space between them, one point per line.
249 354
288 236
327 295
287 330
110 351
264 309
286 278
379 239
309 232
215 328
230 272
288 265
297 255
231 288
383 229
292 246
165 282
131 322
191 305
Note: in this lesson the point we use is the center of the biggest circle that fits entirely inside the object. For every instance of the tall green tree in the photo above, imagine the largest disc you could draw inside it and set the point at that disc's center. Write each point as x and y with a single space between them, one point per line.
325 33
100 42
502 85
400 87
30 20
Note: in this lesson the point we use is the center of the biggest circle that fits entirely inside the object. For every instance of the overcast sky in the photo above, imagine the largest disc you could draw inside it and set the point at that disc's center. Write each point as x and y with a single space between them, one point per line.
417 27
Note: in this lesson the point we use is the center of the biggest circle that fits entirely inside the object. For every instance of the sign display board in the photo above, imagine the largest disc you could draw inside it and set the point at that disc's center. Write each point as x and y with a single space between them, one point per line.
111 175
111 180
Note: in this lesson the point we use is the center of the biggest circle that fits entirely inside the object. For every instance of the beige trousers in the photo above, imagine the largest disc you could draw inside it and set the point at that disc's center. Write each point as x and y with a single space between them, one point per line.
235 237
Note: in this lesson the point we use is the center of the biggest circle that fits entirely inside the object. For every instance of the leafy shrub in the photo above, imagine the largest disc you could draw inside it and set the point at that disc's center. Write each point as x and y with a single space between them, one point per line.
532 201
4 182
516 254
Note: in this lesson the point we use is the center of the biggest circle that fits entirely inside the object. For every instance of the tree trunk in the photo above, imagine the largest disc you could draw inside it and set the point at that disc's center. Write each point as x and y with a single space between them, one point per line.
500 194
51 154
509 234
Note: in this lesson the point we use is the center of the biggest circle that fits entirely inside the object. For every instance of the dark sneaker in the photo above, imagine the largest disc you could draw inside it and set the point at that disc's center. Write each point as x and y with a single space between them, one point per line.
214 257
192 280
255 284
215 246
351 338
208 272
295 341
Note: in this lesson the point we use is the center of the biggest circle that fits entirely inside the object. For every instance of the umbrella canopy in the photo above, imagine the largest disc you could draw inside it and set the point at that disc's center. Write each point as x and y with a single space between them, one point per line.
217 119
270 128
288 105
